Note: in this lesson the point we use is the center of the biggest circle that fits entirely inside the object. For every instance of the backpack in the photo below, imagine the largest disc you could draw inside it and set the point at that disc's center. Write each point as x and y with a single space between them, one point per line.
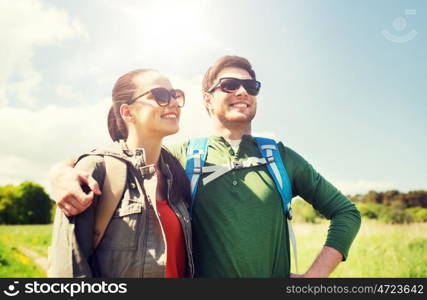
112 192
196 157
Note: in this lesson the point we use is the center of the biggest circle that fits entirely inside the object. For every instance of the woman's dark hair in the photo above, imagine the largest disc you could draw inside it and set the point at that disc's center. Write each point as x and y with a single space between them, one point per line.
181 182
122 93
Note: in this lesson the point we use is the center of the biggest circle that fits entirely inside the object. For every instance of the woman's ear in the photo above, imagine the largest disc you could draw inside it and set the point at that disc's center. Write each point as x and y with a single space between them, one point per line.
207 100
126 113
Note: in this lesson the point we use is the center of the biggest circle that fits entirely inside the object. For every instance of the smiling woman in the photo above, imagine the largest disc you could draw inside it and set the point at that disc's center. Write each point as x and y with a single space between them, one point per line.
145 109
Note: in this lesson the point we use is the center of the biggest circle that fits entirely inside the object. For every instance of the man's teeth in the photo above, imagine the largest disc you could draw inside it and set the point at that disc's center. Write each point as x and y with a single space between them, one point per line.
240 105
170 116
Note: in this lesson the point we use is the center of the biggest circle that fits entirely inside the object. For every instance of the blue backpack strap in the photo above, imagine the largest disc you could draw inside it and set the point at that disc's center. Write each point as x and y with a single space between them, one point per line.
277 170
196 156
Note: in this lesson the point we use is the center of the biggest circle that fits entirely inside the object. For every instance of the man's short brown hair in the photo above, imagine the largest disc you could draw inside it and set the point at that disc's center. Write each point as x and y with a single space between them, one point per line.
222 63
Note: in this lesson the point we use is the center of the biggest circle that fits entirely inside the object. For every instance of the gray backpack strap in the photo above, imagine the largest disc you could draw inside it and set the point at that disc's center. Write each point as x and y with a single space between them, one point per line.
112 191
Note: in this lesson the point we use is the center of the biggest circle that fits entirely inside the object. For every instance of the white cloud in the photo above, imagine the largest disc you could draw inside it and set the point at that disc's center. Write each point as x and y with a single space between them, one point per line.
17 169
67 92
32 141
24 26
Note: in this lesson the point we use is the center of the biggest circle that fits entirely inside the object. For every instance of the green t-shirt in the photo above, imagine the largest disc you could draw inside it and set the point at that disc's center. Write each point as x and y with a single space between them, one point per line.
239 229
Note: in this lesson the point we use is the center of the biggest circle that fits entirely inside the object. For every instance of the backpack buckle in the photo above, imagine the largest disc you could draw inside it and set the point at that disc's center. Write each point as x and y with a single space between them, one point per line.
270 159
236 165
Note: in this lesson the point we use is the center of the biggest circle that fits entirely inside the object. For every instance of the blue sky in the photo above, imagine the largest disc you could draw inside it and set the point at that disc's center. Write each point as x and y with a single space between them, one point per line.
344 83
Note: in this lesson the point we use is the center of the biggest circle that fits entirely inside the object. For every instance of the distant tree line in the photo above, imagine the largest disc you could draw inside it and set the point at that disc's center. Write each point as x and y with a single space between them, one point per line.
391 207
394 198
26 203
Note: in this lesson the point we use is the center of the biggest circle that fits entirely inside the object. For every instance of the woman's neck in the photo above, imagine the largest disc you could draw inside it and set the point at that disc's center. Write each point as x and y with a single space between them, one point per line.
151 145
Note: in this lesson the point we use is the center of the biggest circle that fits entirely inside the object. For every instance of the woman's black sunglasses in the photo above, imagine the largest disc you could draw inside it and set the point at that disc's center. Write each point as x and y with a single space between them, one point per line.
230 85
163 96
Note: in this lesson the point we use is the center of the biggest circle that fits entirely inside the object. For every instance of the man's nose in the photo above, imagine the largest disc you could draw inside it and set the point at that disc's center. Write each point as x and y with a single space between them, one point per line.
241 91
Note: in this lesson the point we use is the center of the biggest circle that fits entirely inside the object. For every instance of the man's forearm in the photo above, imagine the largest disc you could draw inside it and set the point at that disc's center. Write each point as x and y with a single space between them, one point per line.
325 263
56 170
67 191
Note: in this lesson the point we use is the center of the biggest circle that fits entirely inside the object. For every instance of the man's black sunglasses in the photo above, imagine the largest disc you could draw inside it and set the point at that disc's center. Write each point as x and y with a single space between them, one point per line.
163 96
230 85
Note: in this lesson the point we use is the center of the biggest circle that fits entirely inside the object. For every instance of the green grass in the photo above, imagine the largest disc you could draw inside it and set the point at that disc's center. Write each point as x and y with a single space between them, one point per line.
34 237
379 250
14 264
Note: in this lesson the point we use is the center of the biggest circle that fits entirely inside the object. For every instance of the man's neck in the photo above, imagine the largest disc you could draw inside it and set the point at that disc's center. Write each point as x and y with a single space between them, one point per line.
232 131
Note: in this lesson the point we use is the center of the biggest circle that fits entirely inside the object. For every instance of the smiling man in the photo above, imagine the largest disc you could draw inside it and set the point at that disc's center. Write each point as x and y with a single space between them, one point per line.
239 227
227 101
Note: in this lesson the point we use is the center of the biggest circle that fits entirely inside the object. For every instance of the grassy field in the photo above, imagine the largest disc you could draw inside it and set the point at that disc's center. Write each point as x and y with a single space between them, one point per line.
379 250
13 263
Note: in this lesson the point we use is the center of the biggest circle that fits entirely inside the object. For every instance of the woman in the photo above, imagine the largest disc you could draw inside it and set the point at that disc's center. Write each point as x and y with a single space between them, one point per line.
149 233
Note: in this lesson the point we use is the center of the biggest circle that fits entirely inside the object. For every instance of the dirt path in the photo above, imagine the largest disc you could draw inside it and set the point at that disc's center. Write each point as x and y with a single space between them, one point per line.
41 261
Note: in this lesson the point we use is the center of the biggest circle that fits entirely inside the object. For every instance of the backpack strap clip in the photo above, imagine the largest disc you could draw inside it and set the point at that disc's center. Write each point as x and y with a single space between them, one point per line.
236 165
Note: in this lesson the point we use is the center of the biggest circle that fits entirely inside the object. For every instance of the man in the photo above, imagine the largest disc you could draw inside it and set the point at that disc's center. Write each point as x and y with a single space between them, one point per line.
239 229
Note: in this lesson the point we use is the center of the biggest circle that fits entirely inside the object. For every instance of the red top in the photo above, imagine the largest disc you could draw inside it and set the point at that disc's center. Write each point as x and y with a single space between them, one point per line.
176 254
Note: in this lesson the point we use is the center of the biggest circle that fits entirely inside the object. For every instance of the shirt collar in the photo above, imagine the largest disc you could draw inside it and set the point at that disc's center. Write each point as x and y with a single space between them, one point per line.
137 157
246 138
